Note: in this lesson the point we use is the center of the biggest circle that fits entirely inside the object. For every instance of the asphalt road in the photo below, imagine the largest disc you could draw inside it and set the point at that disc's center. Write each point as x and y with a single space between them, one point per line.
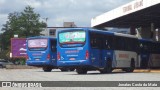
57 75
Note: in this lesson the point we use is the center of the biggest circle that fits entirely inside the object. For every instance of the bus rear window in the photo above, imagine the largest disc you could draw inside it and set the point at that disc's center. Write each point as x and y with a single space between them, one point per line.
37 43
73 37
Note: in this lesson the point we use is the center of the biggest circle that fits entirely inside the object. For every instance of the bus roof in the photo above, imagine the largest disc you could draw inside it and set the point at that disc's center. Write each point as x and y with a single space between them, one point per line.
147 40
101 31
125 35
41 37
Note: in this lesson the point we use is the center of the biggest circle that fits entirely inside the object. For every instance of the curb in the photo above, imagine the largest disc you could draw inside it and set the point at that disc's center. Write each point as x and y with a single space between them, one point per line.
141 70
20 67
148 70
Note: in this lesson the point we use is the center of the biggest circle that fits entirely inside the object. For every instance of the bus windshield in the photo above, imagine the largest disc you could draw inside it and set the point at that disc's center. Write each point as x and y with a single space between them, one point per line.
72 37
37 43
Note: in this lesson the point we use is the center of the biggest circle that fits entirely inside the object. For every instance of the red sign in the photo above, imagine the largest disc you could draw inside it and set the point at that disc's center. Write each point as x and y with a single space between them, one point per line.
123 56
133 6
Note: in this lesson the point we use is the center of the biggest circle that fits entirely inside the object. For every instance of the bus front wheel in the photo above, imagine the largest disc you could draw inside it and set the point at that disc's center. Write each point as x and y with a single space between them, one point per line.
47 69
81 71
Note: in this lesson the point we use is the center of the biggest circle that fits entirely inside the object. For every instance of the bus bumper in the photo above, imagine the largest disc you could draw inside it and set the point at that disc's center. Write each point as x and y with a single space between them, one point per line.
73 63
39 63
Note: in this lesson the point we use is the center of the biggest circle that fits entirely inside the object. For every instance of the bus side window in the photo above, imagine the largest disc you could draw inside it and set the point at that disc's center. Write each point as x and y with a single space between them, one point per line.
100 39
53 45
108 42
115 43
122 43
119 43
130 44
136 45
94 41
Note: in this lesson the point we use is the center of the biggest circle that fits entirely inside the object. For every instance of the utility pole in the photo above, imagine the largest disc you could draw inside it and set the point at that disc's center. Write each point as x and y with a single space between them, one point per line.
47 31
0 42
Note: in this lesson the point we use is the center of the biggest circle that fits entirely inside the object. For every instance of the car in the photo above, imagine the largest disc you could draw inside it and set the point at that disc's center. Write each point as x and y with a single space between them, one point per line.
4 62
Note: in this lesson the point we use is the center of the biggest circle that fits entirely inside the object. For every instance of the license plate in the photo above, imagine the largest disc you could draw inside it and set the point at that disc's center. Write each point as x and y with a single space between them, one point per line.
37 59
72 59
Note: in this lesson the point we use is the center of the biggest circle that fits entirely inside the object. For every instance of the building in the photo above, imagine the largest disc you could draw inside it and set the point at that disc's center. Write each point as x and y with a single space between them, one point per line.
69 24
51 31
139 15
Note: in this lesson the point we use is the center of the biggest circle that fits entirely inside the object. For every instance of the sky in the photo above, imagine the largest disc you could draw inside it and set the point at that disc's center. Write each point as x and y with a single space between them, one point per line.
58 11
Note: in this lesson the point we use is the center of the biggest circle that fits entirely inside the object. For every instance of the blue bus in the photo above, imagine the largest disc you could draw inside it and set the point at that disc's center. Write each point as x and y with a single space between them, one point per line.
42 52
89 49
149 54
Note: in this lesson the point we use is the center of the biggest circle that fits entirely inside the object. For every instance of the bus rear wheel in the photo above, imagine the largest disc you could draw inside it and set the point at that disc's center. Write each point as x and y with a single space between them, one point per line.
47 69
132 66
71 69
63 69
81 71
108 67
1 66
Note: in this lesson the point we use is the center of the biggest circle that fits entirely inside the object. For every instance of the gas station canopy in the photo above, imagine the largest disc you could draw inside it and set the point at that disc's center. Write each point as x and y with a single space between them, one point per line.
138 13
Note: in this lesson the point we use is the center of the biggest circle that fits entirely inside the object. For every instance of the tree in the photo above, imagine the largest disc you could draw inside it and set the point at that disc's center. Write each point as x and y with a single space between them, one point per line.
0 42
24 24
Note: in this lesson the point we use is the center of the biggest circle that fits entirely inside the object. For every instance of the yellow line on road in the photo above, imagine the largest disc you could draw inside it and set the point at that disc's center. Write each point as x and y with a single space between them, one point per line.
147 70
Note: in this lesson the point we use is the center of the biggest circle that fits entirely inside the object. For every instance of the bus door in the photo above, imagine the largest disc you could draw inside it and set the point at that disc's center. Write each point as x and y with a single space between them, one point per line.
107 52
144 54
96 50
53 53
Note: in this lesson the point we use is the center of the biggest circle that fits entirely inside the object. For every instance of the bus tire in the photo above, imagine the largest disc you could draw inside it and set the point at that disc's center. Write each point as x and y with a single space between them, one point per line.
132 66
81 71
47 69
63 69
108 67
144 63
1 66
71 69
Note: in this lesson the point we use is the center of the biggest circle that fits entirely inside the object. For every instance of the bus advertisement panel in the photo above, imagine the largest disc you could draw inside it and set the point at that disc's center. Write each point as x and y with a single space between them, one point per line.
18 47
